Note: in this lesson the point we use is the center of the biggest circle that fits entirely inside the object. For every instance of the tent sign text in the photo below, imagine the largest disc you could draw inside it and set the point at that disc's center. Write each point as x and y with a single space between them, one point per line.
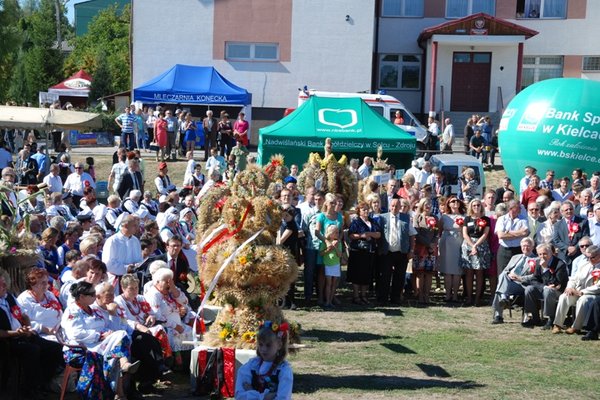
190 97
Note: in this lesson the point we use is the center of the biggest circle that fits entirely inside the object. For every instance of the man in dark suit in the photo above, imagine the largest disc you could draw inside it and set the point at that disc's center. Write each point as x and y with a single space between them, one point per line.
210 126
567 233
179 264
385 199
500 191
396 248
547 282
132 179
438 186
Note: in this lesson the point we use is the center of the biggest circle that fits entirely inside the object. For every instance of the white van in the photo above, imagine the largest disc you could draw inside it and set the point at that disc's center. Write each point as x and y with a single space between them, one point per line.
452 166
385 105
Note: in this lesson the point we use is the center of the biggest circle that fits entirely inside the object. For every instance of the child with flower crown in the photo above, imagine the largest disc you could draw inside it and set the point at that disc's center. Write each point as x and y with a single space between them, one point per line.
268 376
331 251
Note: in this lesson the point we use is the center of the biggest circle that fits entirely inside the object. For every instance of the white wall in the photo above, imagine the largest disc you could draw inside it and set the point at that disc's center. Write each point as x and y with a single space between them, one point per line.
565 36
328 52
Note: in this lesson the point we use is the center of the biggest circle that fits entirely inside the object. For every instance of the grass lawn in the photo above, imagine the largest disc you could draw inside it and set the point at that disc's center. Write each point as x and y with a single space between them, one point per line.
436 352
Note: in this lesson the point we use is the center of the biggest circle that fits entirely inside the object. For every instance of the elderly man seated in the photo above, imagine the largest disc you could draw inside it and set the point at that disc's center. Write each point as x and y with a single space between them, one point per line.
509 282
546 283
582 289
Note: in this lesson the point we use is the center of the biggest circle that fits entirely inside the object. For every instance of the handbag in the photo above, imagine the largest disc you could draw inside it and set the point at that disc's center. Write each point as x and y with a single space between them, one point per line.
360 245
153 146
216 372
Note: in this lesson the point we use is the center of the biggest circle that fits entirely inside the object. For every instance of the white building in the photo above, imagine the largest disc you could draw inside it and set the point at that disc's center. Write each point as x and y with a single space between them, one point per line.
431 54
270 48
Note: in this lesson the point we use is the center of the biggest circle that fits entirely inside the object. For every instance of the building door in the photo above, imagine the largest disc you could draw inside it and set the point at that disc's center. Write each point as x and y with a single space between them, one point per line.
470 81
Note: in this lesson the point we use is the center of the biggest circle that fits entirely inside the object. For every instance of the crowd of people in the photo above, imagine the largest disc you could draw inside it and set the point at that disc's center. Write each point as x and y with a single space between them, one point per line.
109 294
145 128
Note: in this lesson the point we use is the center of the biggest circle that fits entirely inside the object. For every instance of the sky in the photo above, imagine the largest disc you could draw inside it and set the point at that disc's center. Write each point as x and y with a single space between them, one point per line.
71 9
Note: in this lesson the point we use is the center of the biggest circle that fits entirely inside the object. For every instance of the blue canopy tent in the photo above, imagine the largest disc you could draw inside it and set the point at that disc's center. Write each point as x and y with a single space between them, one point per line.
189 84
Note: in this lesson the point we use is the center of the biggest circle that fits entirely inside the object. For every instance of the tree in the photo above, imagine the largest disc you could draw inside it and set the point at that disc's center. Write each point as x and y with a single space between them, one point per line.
106 42
10 42
101 79
41 59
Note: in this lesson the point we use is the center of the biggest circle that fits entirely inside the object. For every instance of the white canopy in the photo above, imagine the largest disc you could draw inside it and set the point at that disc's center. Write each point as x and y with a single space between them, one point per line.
47 118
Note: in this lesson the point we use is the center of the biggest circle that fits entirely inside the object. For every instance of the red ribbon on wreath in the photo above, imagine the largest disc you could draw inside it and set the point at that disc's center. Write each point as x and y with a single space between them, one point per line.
482 223
226 233
531 264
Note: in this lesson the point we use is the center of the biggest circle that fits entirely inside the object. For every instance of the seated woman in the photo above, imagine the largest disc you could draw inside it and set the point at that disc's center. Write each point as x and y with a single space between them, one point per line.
170 306
40 304
18 341
91 270
104 352
144 347
48 252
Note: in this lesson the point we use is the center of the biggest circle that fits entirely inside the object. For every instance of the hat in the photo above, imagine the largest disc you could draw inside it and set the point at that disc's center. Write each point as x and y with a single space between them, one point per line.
289 179
185 211
119 220
170 218
162 165
67 195
178 111
85 216
596 206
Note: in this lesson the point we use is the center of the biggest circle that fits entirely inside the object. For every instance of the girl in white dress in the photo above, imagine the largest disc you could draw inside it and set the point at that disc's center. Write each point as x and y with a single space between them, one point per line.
268 376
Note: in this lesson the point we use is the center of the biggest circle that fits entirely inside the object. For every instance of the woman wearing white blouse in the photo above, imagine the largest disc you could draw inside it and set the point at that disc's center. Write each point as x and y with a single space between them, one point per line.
104 352
170 306
40 304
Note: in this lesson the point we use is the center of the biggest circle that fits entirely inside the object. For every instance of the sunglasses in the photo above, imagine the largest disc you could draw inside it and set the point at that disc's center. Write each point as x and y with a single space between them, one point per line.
583 246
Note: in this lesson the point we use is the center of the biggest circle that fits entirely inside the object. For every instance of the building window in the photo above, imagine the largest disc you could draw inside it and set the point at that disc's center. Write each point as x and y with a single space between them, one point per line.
591 63
536 69
541 8
402 8
462 8
399 71
241 51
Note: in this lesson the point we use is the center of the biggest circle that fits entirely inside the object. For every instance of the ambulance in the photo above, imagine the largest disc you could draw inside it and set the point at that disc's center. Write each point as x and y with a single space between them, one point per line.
385 105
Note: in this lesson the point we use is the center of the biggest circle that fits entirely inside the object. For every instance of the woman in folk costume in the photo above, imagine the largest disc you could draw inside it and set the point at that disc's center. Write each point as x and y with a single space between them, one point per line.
102 353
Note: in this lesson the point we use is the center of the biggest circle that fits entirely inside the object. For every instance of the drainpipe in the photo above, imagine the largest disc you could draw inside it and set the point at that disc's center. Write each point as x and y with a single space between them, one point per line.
519 68
434 49
423 74
375 61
